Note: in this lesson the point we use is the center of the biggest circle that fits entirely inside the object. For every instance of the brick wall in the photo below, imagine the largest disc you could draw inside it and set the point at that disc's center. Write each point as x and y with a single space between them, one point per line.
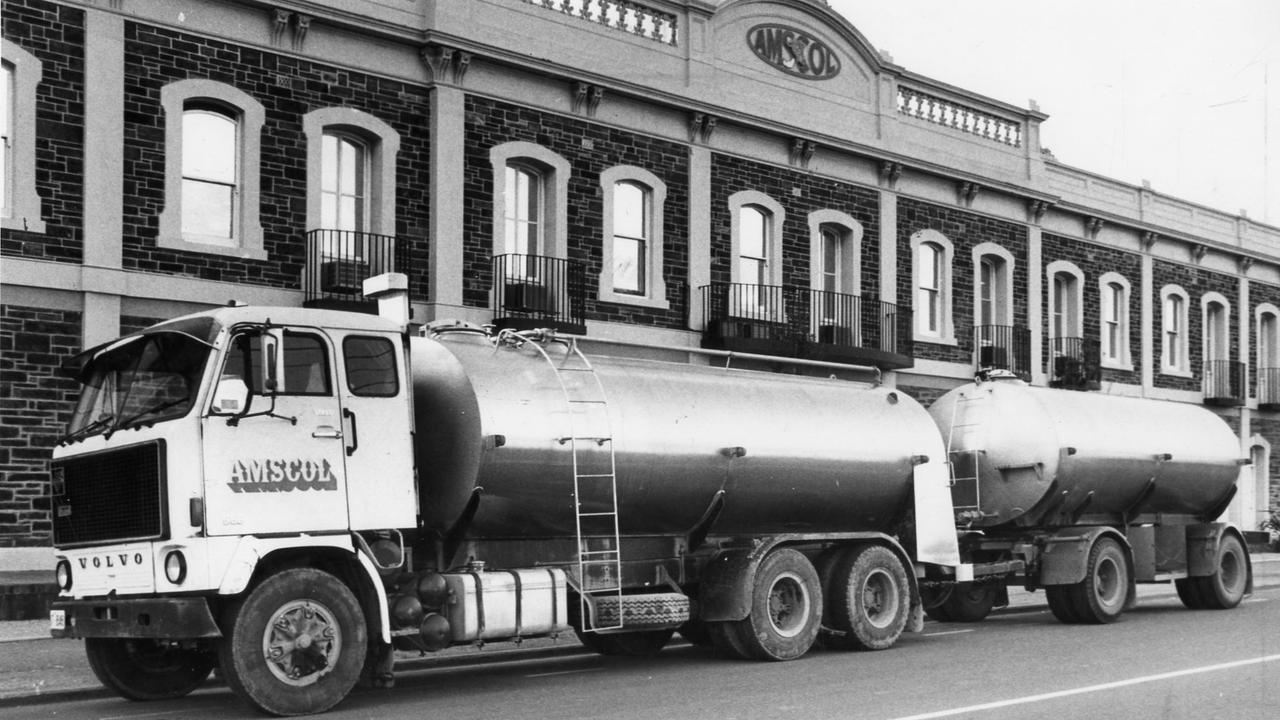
1196 282
589 149
288 88
799 193
965 230
35 406
1094 261
55 35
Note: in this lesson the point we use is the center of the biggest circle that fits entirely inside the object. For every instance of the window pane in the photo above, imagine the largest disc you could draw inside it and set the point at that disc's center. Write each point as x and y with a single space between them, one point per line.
751 233
206 209
6 157
208 146
629 210
371 366
628 265
306 371
329 164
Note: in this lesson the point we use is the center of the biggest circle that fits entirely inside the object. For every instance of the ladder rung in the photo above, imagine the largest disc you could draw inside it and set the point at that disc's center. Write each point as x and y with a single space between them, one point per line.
596 514
598 552
589 402
592 438
595 475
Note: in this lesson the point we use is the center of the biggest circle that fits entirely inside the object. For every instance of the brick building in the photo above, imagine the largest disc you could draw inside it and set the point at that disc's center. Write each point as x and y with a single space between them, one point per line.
744 175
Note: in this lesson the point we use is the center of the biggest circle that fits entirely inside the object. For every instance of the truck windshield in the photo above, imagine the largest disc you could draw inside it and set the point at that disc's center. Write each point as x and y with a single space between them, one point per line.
140 382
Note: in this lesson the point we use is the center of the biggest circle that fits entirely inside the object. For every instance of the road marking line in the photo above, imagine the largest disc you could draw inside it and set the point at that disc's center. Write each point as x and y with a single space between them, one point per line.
1090 688
564 672
948 632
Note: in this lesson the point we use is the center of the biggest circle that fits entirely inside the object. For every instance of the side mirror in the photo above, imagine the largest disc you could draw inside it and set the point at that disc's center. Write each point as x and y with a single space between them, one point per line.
270 362
231 396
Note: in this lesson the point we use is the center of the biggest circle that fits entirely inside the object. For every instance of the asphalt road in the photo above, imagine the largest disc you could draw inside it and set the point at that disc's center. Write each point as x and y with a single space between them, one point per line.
1159 661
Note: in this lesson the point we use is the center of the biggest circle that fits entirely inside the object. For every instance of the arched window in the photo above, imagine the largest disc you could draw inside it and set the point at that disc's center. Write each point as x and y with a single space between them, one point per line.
1174 355
22 73
931 261
993 271
344 182
632 249
1114 325
210 173
1066 323
754 240
1268 370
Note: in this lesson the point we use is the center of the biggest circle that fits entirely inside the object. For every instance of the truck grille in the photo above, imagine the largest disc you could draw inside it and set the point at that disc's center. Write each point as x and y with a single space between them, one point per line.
110 496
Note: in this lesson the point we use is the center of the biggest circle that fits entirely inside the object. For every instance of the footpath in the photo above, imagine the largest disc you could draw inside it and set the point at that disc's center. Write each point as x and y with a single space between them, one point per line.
35 668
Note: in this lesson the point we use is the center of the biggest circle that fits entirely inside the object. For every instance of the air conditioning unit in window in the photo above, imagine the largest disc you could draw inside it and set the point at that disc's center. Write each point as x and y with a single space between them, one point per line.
526 297
343 276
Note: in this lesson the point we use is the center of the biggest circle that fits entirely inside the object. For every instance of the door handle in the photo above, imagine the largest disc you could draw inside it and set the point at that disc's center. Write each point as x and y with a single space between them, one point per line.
325 431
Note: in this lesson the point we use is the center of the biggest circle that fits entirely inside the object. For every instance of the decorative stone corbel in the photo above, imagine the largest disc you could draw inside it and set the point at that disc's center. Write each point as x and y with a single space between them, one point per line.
889 173
445 64
701 126
1093 226
1243 263
802 152
1148 240
301 24
1198 252
279 23
593 102
580 92
1036 210
966 192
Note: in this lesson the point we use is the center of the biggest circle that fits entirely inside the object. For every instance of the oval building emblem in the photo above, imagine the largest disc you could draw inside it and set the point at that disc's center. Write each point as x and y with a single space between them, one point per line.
793 51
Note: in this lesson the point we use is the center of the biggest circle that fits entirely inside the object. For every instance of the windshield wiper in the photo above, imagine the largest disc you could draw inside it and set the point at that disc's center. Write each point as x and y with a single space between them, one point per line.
102 421
128 422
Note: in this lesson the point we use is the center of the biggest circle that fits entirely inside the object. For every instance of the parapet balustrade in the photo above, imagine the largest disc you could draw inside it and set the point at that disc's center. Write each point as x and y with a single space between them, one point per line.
948 113
629 17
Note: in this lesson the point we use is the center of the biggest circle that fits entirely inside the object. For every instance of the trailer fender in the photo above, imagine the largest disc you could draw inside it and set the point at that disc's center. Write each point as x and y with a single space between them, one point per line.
1202 549
1065 558
728 579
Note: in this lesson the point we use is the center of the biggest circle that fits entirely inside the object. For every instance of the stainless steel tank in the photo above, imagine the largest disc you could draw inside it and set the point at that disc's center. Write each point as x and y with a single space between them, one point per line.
789 453
1132 454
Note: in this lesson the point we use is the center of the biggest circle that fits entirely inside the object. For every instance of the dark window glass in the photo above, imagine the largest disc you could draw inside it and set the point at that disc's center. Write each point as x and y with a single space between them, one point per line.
371 366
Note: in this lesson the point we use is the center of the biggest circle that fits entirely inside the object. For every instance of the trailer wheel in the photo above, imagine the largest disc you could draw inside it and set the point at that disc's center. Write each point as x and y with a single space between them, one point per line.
970 602
643 643
1189 593
1101 597
1062 603
934 602
1224 589
786 607
140 669
295 645
871 602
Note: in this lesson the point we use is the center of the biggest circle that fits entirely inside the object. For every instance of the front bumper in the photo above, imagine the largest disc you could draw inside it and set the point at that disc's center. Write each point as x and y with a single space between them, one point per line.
161 618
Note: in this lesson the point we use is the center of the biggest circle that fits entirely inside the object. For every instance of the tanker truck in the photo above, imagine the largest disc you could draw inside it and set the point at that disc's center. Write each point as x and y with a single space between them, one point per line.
291 495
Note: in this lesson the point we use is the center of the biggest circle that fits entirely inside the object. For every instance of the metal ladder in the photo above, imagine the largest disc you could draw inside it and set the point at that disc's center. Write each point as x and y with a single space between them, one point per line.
968 418
599 558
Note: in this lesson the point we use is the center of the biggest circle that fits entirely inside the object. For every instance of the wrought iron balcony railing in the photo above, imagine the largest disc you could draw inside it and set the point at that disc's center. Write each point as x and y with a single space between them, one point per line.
1002 347
339 261
535 291
1224 382
1075 363
799 322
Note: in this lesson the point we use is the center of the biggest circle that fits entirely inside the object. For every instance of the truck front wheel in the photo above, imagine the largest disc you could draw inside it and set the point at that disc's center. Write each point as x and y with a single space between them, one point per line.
295 645
140 669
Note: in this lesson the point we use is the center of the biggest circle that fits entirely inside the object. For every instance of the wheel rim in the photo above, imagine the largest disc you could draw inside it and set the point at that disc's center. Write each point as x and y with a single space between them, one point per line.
880 598
302 642
1107 583
1231 572
788 605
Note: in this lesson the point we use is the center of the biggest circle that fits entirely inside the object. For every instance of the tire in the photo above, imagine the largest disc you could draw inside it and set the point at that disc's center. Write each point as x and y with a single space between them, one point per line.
934 603
786 607
295 645
1061 603
143 669
1189 593
871 600
727 636
970 602
1101 597
644 643
1225 588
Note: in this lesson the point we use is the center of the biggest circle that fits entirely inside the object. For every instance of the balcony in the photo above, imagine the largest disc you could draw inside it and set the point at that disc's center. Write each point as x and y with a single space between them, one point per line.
1269 388
1002 347
803 323
339 261
1075 364
1223 383
534 291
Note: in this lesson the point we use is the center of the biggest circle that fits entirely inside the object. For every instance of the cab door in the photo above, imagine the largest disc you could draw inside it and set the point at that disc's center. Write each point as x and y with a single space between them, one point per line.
276 464
376 393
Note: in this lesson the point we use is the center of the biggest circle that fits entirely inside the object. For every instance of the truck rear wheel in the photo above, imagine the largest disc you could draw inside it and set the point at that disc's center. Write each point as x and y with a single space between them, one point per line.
1061 603
295 645
970 602
142 669
1189 593
1101 597
786 607
870 599
1224 589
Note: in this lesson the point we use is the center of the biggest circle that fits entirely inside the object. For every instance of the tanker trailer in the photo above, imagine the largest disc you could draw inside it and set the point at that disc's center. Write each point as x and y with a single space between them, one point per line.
1084 495
733 504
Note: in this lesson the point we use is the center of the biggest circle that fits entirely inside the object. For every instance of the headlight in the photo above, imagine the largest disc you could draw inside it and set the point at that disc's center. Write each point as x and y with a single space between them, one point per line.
63 573
175 567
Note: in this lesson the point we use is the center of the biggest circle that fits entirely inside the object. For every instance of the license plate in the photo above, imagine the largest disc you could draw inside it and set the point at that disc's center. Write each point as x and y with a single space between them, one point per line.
57 619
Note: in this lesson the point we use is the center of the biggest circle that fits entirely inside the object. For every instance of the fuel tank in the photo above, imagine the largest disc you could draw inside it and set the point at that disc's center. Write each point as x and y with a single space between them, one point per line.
1030 455
500 440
